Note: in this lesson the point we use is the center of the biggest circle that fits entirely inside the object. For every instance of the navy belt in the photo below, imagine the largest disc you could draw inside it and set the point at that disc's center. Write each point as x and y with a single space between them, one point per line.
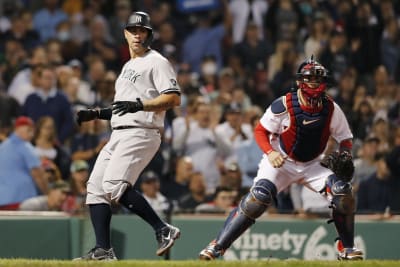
123 127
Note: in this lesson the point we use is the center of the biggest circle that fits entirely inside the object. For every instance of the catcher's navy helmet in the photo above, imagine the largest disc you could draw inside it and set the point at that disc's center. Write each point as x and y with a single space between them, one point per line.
141 19
312 72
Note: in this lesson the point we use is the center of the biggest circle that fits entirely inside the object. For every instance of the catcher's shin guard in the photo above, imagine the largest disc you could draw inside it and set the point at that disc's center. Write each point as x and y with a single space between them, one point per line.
252 206
343 209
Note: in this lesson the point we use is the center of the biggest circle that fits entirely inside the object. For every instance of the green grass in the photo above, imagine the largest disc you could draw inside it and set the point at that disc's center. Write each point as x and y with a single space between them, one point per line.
155 263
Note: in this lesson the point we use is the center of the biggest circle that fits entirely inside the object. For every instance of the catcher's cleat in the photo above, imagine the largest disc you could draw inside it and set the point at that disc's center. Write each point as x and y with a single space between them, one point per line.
211 252
99 254
166 237
352 254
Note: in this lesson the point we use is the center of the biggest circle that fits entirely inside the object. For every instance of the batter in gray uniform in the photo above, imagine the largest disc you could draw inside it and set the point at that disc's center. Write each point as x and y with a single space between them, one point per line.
144 90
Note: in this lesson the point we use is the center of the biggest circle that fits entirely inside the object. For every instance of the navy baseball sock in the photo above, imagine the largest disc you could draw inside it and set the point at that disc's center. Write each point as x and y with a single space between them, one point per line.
100 215
135 202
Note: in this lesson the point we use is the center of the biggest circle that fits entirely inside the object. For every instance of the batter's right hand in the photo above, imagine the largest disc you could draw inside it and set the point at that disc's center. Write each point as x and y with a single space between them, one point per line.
276 159
86 115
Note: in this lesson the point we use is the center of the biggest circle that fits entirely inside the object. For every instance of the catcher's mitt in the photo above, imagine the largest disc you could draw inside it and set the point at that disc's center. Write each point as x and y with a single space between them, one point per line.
341 163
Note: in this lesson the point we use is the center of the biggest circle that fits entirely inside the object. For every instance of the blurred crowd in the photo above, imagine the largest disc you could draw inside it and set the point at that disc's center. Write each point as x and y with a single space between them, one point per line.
232 61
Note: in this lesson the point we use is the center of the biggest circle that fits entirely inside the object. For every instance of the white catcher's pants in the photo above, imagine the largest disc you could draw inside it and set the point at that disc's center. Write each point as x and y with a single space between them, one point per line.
311 173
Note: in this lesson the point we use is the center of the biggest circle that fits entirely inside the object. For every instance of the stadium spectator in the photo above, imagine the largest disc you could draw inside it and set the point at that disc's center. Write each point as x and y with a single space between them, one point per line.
100 45
188 84
71 91
231 177
75 202
27 80
275 61
361 118
346 87
199 140
47 18
63 73
235 131
283 20
150 187
248 155
251 54
8 9
245 12
365 29
95 73
196 196
85 94
225 84
122 10
52 201
80 21
337 55
390 48
9 110
13 56
318 36
52 173
87 143
394 110
48 100
365 163
54 53
206 39
176 184
282 81
105 89
380 191
166 42
69 47
381 129
223 202
313 204
21 175
47 146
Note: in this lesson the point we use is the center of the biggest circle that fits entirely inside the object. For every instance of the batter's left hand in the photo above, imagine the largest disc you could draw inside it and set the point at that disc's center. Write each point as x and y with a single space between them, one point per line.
122 107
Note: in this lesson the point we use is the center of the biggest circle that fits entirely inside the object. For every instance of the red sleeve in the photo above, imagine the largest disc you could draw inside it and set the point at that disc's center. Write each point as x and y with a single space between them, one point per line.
346 145
262 138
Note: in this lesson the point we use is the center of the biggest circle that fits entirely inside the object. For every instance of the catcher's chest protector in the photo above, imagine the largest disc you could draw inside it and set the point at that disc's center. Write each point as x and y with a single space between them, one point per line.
308 133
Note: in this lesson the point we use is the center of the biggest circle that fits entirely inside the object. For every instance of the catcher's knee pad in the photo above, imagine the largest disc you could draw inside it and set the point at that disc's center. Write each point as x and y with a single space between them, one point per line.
342 195
261 195
115 189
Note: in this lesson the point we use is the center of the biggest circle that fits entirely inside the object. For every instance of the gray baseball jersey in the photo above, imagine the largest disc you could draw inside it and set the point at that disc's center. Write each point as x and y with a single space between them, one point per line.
129 151
144 77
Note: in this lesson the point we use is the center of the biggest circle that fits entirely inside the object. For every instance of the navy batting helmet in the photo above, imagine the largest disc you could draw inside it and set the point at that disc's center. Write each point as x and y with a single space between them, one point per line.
141 19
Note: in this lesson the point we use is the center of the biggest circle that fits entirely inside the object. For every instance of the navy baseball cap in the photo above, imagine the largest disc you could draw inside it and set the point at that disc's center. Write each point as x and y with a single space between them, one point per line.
150 176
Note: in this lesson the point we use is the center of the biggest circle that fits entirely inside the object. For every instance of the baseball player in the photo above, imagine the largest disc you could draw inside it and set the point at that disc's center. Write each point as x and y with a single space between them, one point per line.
293 134
144 90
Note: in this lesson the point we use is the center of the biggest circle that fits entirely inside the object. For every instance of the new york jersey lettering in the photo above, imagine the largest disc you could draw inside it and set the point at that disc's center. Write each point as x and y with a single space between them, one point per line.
130 75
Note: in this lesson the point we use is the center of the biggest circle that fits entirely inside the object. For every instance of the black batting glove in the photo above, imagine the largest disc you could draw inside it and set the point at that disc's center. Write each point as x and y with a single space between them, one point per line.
86 115
122 107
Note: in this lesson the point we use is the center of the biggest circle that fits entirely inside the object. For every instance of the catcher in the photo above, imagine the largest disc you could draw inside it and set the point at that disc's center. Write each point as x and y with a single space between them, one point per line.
293 134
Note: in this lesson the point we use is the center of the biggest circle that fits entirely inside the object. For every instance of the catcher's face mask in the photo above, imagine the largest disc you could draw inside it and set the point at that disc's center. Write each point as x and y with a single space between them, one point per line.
312 78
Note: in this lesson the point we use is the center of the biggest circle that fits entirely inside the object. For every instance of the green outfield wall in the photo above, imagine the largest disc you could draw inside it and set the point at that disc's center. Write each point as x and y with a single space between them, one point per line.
69 237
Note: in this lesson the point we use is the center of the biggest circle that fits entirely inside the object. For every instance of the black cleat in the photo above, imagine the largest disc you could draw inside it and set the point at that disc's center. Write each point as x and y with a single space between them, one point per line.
166 237
99 254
